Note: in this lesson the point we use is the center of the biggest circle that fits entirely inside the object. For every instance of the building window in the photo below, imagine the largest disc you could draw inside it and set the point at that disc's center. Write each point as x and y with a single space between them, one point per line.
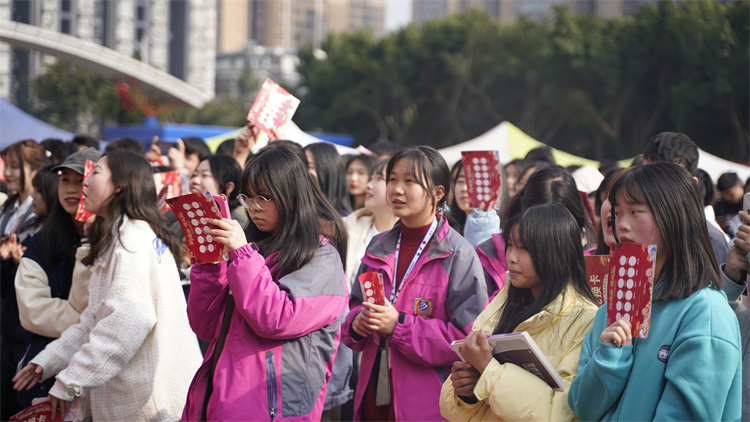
65 5
65 26
141 13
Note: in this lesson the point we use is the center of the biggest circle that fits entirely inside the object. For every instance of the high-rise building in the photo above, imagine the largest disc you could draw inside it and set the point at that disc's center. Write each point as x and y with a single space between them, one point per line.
506 11
177 36
292 23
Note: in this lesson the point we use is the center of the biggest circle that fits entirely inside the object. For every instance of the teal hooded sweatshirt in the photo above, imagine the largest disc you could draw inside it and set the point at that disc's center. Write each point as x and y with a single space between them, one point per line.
688 369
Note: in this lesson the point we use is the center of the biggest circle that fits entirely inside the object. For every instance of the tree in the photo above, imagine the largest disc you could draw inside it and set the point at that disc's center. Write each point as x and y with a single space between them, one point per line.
594 87
75 99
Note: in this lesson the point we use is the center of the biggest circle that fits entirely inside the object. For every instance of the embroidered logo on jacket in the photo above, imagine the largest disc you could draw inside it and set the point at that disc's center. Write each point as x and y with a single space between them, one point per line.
663 354
160 247
422 307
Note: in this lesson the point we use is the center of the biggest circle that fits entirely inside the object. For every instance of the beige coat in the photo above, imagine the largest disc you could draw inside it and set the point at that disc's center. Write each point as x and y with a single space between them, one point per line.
133 349
38 311
508 392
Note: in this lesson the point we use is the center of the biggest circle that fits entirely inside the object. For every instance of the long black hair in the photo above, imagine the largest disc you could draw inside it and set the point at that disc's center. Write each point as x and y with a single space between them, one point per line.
304 212
45 183
554 185
132 174
225 169
551 236
331 175
456 216
59 231
670 192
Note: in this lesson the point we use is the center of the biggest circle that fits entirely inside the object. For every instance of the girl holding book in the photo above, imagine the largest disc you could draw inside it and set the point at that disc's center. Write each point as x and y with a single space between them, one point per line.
688 368
434 289
273 311
548 297
132 349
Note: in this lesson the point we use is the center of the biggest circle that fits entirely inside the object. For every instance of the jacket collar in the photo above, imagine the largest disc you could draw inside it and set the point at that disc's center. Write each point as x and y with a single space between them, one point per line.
562 304
439 246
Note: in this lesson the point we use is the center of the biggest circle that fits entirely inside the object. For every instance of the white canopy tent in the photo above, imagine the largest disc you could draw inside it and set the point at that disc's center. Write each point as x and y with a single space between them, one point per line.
513 143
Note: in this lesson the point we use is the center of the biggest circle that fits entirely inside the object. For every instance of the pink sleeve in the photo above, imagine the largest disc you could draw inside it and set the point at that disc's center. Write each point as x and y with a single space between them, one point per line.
346 336
300 303
207 298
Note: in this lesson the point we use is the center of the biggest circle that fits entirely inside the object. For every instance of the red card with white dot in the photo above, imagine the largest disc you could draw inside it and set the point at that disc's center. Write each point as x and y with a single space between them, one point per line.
482 170
631 285
272 108
372 287
193 211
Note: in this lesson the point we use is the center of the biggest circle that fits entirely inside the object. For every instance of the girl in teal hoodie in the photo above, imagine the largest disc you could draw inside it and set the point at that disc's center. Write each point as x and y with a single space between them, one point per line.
689 367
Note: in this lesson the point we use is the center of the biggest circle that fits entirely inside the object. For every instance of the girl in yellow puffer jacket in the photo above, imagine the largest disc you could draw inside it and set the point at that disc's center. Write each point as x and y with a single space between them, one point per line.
549 298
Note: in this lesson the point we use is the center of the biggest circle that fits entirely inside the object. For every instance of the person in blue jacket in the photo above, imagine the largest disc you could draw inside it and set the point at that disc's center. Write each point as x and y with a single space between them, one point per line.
689 366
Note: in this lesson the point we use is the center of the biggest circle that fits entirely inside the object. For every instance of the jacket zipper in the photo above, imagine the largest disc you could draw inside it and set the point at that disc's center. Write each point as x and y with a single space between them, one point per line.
271 377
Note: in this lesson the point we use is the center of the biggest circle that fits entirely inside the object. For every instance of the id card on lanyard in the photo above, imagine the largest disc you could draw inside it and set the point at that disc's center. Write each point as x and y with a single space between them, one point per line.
422 246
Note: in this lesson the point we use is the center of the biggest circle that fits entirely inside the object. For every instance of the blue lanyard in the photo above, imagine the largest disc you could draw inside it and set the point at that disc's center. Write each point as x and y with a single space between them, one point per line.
430 232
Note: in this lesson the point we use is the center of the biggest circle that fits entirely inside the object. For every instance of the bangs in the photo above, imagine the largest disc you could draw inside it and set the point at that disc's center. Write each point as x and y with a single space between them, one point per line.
415 165
629 188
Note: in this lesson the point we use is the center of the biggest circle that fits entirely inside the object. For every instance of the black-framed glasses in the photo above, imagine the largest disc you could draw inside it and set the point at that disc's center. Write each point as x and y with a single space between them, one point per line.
260 202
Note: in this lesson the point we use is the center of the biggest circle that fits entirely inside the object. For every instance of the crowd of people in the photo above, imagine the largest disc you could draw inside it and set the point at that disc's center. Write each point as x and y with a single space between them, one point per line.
104 310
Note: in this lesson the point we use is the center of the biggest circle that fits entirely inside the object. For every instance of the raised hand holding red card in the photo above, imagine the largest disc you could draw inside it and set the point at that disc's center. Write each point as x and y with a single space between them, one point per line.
482 171
631 285
273 107
193 212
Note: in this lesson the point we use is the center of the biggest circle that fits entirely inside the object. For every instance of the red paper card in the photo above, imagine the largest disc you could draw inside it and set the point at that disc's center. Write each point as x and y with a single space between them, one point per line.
40 412
372 287
168 185
482 170
82 214
192 212
631 285
597 273
273 107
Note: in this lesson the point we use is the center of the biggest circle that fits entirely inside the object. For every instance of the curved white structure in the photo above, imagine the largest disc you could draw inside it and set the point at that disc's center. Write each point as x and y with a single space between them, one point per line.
103 61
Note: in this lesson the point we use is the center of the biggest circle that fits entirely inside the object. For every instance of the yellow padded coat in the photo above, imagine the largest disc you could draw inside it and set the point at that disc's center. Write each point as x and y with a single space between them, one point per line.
508 392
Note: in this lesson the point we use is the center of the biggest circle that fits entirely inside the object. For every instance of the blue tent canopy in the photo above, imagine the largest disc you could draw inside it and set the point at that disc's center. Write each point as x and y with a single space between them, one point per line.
16 125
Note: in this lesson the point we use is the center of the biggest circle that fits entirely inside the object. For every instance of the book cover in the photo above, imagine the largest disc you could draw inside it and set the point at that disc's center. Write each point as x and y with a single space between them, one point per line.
520 349
82 214
193 211
483 172
272 108
630 286
597 274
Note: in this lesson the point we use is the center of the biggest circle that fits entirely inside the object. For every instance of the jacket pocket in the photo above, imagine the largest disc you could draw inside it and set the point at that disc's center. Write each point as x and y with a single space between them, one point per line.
271 380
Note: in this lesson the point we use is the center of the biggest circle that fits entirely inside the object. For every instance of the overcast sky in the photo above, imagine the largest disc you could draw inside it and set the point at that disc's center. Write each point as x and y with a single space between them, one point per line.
397 14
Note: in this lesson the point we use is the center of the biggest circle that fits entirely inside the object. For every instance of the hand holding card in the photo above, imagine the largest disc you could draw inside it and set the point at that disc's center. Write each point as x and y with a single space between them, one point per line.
372 287
193 212
630 286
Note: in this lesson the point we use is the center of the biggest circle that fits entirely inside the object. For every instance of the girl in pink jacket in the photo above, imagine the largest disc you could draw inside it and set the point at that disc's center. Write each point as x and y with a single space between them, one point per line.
273 311
436 288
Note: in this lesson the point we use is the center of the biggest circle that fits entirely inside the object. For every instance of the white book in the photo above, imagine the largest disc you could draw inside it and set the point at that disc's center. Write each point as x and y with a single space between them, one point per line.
521 350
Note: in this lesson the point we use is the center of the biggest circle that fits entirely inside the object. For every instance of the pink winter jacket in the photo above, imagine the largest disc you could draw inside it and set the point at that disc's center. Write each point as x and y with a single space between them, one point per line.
282 339
446 289
491 254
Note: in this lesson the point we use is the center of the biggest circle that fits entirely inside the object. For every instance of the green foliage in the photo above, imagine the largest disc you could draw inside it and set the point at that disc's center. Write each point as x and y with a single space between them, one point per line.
76 100
594 87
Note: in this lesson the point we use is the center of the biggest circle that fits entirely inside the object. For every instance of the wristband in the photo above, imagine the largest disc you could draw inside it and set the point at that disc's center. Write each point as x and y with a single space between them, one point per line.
401 317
